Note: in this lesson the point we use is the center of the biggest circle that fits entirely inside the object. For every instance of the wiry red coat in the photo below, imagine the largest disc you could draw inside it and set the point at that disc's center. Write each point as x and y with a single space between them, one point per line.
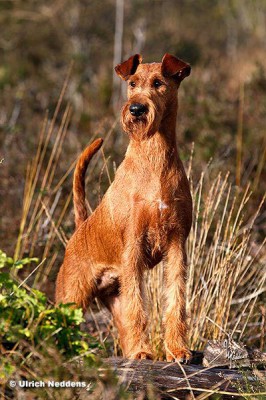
144 217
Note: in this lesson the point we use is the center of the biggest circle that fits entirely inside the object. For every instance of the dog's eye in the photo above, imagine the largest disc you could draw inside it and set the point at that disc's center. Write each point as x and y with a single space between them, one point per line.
132 84
157 83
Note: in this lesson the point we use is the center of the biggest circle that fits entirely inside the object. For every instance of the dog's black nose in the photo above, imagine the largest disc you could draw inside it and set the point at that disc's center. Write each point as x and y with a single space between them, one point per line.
137 109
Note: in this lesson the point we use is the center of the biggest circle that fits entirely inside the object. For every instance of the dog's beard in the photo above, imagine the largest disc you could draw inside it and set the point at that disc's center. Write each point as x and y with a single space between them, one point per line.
141 127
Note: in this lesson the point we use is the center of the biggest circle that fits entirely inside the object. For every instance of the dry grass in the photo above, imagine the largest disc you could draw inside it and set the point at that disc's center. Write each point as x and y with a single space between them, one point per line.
44 205
226 274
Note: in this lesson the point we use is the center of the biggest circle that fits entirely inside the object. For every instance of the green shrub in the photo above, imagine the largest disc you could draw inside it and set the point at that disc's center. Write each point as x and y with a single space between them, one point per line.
29 326
27 316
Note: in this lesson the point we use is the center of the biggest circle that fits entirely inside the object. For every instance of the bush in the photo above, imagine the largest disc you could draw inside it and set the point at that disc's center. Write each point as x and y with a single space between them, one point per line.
26 316
35 336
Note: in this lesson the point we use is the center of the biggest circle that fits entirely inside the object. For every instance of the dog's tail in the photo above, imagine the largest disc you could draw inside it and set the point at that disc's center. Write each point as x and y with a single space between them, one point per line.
80 209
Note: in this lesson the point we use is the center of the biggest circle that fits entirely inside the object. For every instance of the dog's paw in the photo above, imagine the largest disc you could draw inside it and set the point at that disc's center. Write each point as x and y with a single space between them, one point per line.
180 355
141 355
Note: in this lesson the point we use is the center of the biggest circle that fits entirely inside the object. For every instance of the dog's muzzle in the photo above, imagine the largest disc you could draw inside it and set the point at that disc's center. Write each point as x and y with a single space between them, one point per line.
137 109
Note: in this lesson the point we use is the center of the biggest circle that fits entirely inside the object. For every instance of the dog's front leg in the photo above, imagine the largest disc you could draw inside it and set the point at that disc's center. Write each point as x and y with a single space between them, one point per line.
175 311
135 341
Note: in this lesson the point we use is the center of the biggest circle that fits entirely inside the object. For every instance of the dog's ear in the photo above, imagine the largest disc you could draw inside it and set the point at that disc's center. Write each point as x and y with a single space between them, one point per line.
129 67
174 67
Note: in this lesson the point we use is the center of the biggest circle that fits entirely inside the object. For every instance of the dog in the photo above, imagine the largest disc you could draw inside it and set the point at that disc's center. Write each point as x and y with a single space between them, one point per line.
144 217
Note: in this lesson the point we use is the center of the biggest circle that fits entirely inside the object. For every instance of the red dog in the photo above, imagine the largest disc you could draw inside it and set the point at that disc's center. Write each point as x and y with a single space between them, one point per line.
144 217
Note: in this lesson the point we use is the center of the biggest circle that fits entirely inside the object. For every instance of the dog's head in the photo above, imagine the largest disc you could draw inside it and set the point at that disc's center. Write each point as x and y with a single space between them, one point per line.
152 92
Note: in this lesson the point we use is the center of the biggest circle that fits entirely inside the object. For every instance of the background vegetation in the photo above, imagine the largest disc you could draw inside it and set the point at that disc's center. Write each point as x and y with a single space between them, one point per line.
58 92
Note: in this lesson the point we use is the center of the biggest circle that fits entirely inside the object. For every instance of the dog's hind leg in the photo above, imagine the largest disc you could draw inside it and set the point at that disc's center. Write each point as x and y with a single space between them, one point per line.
75 284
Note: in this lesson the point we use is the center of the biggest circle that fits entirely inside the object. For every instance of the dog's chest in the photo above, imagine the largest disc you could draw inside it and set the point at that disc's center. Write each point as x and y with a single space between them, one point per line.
162 206
151 202
162 216
157 202
161 220
158 215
